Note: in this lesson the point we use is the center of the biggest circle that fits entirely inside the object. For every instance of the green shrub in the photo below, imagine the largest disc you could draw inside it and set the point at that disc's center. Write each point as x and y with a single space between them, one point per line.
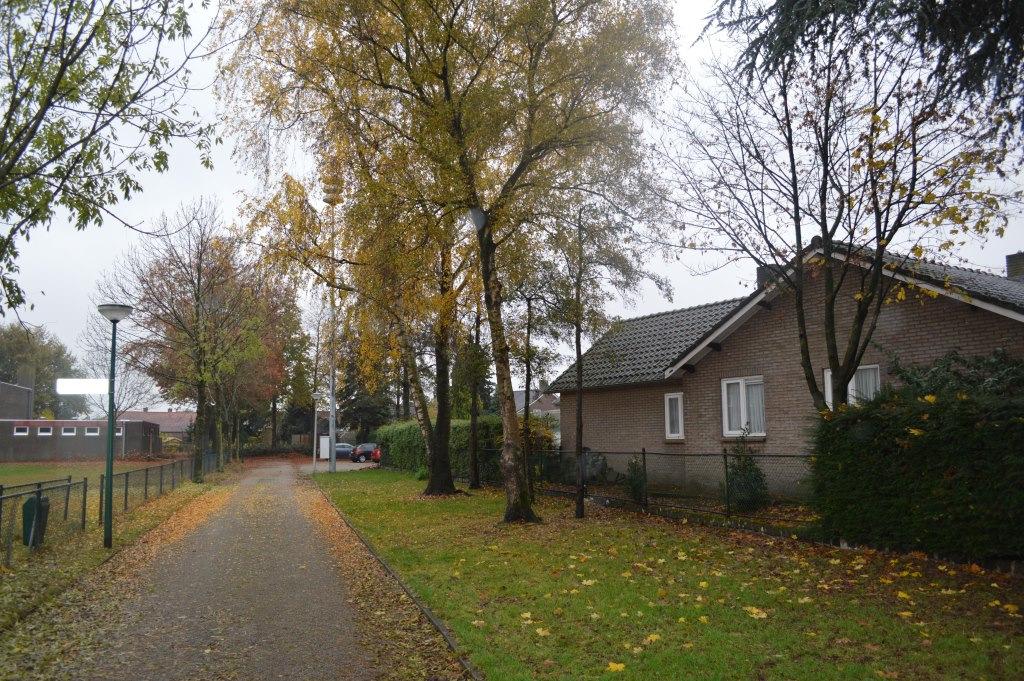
936 465
403 446
421 473
635 479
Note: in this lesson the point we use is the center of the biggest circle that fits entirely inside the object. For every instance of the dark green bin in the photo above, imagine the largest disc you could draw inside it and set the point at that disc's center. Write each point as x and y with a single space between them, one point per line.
28 514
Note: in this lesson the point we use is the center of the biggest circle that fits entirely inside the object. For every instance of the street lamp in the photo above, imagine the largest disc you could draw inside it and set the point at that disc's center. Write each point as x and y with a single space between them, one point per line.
478 217
115 313
316 412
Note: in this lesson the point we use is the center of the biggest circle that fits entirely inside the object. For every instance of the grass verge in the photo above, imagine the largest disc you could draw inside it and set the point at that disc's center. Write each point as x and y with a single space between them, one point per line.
22 472
619 595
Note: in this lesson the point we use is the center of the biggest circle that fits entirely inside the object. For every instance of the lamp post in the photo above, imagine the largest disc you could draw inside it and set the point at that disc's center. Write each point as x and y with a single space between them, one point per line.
316 412
115 313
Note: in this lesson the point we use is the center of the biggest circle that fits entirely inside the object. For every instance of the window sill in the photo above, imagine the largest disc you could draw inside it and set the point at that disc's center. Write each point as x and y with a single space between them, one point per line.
674 440
748 438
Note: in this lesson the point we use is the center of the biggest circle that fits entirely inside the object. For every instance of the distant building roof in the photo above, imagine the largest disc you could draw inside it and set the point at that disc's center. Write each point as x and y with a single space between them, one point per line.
520 397
169 421
638 350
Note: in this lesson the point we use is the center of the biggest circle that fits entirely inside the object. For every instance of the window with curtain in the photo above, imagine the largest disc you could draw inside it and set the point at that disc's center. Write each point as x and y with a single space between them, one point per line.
866 383
743 406
673 416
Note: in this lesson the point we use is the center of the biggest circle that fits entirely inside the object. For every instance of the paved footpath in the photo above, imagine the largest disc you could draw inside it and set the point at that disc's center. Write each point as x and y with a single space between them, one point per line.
251 594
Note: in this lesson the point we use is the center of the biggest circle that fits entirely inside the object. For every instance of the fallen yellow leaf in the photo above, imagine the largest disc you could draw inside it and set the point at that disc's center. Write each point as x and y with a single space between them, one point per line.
616 666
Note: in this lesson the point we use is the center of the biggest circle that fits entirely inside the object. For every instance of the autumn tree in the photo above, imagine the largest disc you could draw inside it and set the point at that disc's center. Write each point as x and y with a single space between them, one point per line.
195 295
91 96
600 236
479 106
837 169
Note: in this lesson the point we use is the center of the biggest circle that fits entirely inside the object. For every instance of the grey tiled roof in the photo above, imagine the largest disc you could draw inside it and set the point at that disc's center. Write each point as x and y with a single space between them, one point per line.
639 350
991 288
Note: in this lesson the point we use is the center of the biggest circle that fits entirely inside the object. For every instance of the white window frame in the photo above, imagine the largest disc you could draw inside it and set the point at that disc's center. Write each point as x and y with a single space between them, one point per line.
20 431
851 393
743 381
92 431
119 431
44 431
64 431
679 400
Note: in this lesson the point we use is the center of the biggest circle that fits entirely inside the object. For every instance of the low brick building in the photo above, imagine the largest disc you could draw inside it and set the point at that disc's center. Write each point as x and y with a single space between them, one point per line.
74 440
690 381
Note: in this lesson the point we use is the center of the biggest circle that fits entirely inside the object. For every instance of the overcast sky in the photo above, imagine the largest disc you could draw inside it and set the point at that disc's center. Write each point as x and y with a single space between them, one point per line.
60 267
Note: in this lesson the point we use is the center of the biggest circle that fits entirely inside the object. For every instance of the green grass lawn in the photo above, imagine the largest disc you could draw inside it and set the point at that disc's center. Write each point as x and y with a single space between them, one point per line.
23 472
621 596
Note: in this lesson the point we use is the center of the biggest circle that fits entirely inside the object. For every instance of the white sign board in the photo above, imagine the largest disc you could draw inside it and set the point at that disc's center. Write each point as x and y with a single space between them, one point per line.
325 447
82 386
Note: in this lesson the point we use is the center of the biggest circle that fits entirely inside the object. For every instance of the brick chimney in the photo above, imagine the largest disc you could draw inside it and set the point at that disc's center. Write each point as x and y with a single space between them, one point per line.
1015 266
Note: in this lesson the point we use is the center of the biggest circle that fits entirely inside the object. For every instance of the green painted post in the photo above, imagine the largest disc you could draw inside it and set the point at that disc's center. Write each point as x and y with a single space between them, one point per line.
85 496
67 499
103 486
108 498
126 474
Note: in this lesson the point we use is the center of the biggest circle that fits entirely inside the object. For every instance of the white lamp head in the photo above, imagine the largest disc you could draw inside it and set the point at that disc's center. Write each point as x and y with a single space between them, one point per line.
478 217
115 312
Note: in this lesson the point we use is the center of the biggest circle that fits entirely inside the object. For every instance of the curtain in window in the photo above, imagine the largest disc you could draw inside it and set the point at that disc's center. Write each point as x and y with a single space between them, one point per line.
673 416
732 400
866 383
755 407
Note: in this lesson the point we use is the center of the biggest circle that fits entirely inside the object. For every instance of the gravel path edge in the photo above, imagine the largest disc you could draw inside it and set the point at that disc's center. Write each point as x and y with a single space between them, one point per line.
434 620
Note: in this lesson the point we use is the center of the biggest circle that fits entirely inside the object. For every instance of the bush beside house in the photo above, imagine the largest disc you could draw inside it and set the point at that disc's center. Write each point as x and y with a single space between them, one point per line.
404 448
936 464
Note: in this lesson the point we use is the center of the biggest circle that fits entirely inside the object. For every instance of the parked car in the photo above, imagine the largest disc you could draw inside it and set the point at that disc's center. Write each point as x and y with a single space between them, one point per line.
343 450
368 451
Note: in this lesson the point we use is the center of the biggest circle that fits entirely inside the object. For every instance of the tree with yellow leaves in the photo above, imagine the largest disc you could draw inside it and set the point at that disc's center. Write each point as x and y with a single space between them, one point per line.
478 107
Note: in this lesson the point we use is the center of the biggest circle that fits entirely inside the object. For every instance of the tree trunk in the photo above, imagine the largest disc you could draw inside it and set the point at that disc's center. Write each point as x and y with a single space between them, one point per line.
527 397
218 441
199 432
474 411
273 421
406 414
517 497
419 399
581 485
439 468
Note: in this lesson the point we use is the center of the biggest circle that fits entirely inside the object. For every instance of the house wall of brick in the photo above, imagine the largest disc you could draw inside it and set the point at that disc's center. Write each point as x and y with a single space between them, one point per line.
918 330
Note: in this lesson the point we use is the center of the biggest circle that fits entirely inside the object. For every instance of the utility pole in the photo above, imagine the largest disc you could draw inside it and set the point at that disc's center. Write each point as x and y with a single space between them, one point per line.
332 196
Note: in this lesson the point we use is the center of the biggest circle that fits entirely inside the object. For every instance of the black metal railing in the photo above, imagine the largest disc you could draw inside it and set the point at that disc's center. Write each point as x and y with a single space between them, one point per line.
51 511
765 489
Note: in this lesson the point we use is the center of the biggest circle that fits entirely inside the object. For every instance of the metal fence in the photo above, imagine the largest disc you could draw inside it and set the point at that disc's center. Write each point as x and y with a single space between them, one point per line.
46 513
763 489
23 527
133 488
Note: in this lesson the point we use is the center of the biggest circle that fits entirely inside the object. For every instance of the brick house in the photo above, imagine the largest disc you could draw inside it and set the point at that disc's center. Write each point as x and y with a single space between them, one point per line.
688 381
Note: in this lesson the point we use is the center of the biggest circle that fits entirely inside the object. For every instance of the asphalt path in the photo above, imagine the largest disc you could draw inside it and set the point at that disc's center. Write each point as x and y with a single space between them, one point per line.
253 593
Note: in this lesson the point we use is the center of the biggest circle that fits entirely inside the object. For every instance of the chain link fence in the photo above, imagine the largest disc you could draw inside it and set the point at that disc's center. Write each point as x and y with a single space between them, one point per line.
49 512
770 490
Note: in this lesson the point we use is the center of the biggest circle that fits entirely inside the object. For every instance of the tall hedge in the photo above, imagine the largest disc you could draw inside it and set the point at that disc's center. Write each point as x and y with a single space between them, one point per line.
404 448
936 465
